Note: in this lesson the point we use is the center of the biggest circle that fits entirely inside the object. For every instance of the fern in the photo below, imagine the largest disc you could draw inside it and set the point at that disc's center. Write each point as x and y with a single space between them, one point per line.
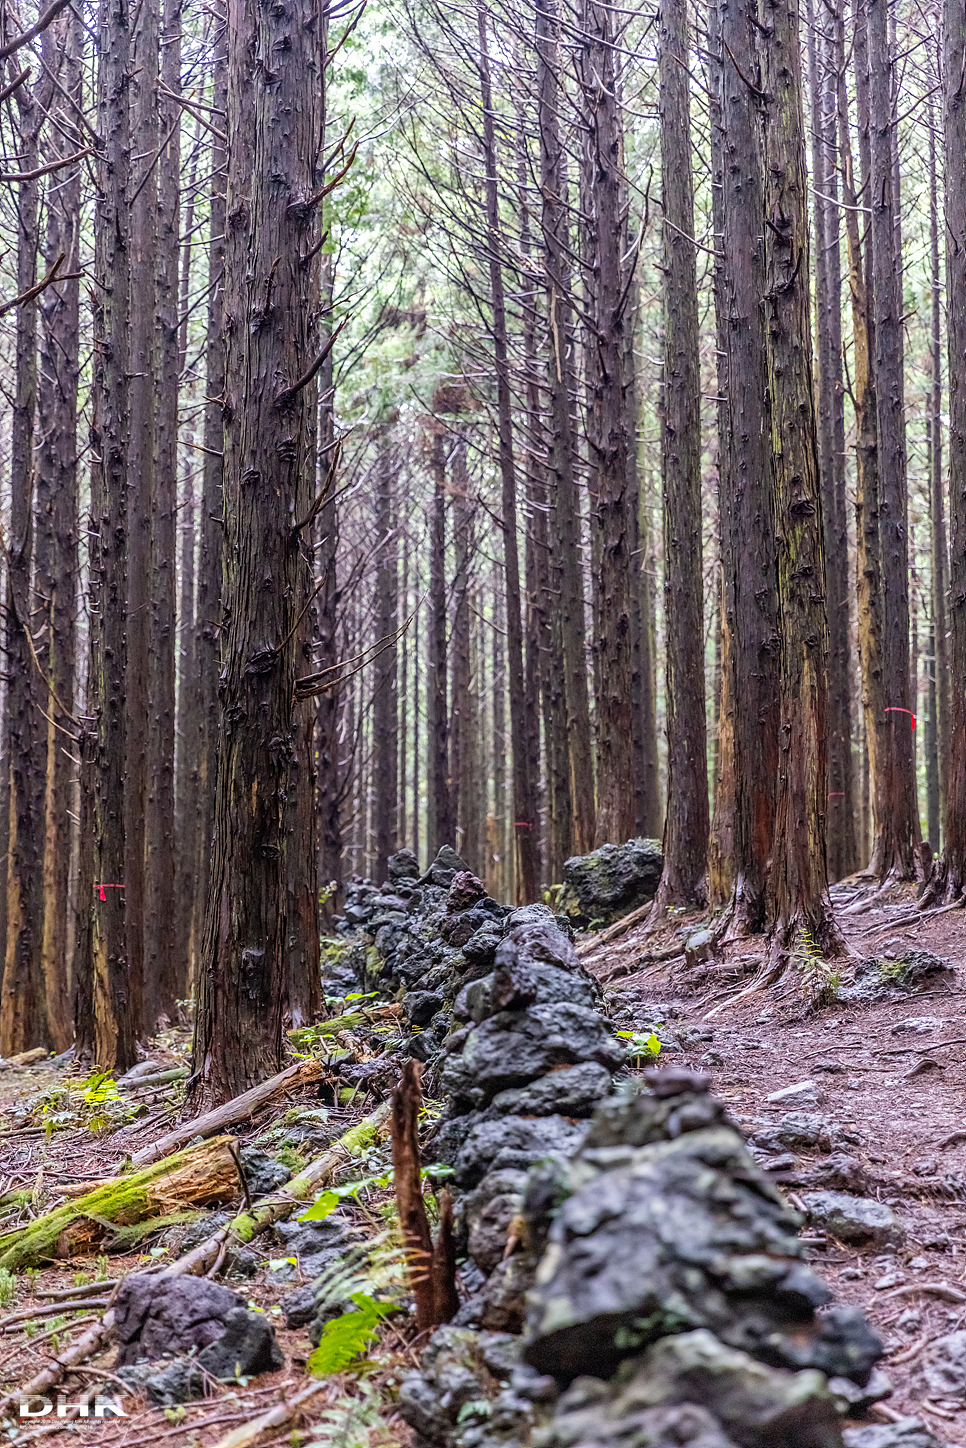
346 1337
352 1422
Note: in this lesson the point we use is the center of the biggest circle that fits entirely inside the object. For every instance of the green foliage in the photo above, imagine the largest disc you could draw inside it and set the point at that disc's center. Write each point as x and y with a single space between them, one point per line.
350 1422
8 1287
641 1045
325 1204
819 982
346 1337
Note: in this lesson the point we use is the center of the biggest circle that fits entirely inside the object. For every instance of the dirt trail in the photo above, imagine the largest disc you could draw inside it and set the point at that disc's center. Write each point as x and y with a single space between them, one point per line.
886 1116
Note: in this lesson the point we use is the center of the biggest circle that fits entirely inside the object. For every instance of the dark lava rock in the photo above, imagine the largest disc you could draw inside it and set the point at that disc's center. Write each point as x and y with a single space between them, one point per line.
263 1173
444 869
521 985
516 1142
298 1307
795 1130
403 865
481 948
459 1387
610 881
574 1091
503 1304
516 1047
857 1220
157 1315
675 1236
315 1244
419 1006
838 1173
944 1366
748 1403
464 892
489 1212
246 1348
907 1433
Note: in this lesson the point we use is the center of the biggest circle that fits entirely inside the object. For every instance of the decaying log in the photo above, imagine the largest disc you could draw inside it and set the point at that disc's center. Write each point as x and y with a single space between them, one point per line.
198 1177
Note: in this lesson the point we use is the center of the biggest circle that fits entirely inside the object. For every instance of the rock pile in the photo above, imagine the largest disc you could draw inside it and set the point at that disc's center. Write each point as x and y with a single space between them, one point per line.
610 881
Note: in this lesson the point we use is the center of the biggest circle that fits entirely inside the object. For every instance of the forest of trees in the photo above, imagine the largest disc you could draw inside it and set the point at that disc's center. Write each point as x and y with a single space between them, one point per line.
516 427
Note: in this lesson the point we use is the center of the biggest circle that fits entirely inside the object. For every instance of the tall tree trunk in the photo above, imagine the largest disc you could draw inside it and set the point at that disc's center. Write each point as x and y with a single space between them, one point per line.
384 698
165 968
567 579
440 824
524 792
721 840
896 849
57 525
272 301
684 881
798 901
329 714
608 263
954 70
209 604
842 849
141 485
23 1000
461 710
938 665
749 527
116 982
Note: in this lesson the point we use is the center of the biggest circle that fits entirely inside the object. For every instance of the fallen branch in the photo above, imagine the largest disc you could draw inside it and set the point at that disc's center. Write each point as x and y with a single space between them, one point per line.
177 1073
92 1341
249 1433
50 1309
936 1289
913 919
275 1207
587 947
657 957
197 1177
241 1107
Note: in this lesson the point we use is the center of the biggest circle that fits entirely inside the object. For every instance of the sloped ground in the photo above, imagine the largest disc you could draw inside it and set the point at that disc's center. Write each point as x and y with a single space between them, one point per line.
872 1124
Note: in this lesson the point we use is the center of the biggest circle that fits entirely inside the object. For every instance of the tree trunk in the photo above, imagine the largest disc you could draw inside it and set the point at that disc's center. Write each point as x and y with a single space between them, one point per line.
57 527
684 881
749 527
143 385
440 825
165 970
330 704
567 576
384 700
798 901
272 301
524 792
938 665
461 709
209 605
116 980
842 849
954 70
896 850
609 260
23 1000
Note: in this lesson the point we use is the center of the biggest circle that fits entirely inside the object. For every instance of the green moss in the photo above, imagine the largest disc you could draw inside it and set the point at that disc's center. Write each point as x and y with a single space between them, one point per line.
244 1226
358 1138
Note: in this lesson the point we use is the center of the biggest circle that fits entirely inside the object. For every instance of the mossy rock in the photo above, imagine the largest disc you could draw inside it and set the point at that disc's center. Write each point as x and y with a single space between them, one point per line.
610 882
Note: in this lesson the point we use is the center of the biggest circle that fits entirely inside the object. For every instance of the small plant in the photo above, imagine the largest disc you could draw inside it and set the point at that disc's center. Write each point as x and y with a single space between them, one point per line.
346 1337
641 1045
102 1269
8 1287
819 982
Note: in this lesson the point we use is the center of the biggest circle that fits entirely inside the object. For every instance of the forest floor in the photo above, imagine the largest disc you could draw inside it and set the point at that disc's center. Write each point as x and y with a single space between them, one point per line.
887 1117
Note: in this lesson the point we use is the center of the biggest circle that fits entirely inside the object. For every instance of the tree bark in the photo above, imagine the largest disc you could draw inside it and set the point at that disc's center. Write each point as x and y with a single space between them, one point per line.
609 261
524 794
749 527
56 560
165 968
937 746
385 668
274 121
798 902
684 880
116 983
896 850
23 1000
143 380
954 69
440 824
566 569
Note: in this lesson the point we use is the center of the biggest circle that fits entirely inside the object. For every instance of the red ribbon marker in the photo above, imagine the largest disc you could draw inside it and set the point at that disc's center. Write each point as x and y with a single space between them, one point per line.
895 709
106 886
522 825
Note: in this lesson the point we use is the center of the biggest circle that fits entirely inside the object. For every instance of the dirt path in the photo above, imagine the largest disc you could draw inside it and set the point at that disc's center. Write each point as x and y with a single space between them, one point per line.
887 1119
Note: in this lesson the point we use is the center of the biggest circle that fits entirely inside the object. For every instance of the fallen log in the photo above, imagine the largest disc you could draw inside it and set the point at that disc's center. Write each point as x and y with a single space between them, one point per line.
298 1074
200 1176
587 947
94 1340
278 1205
